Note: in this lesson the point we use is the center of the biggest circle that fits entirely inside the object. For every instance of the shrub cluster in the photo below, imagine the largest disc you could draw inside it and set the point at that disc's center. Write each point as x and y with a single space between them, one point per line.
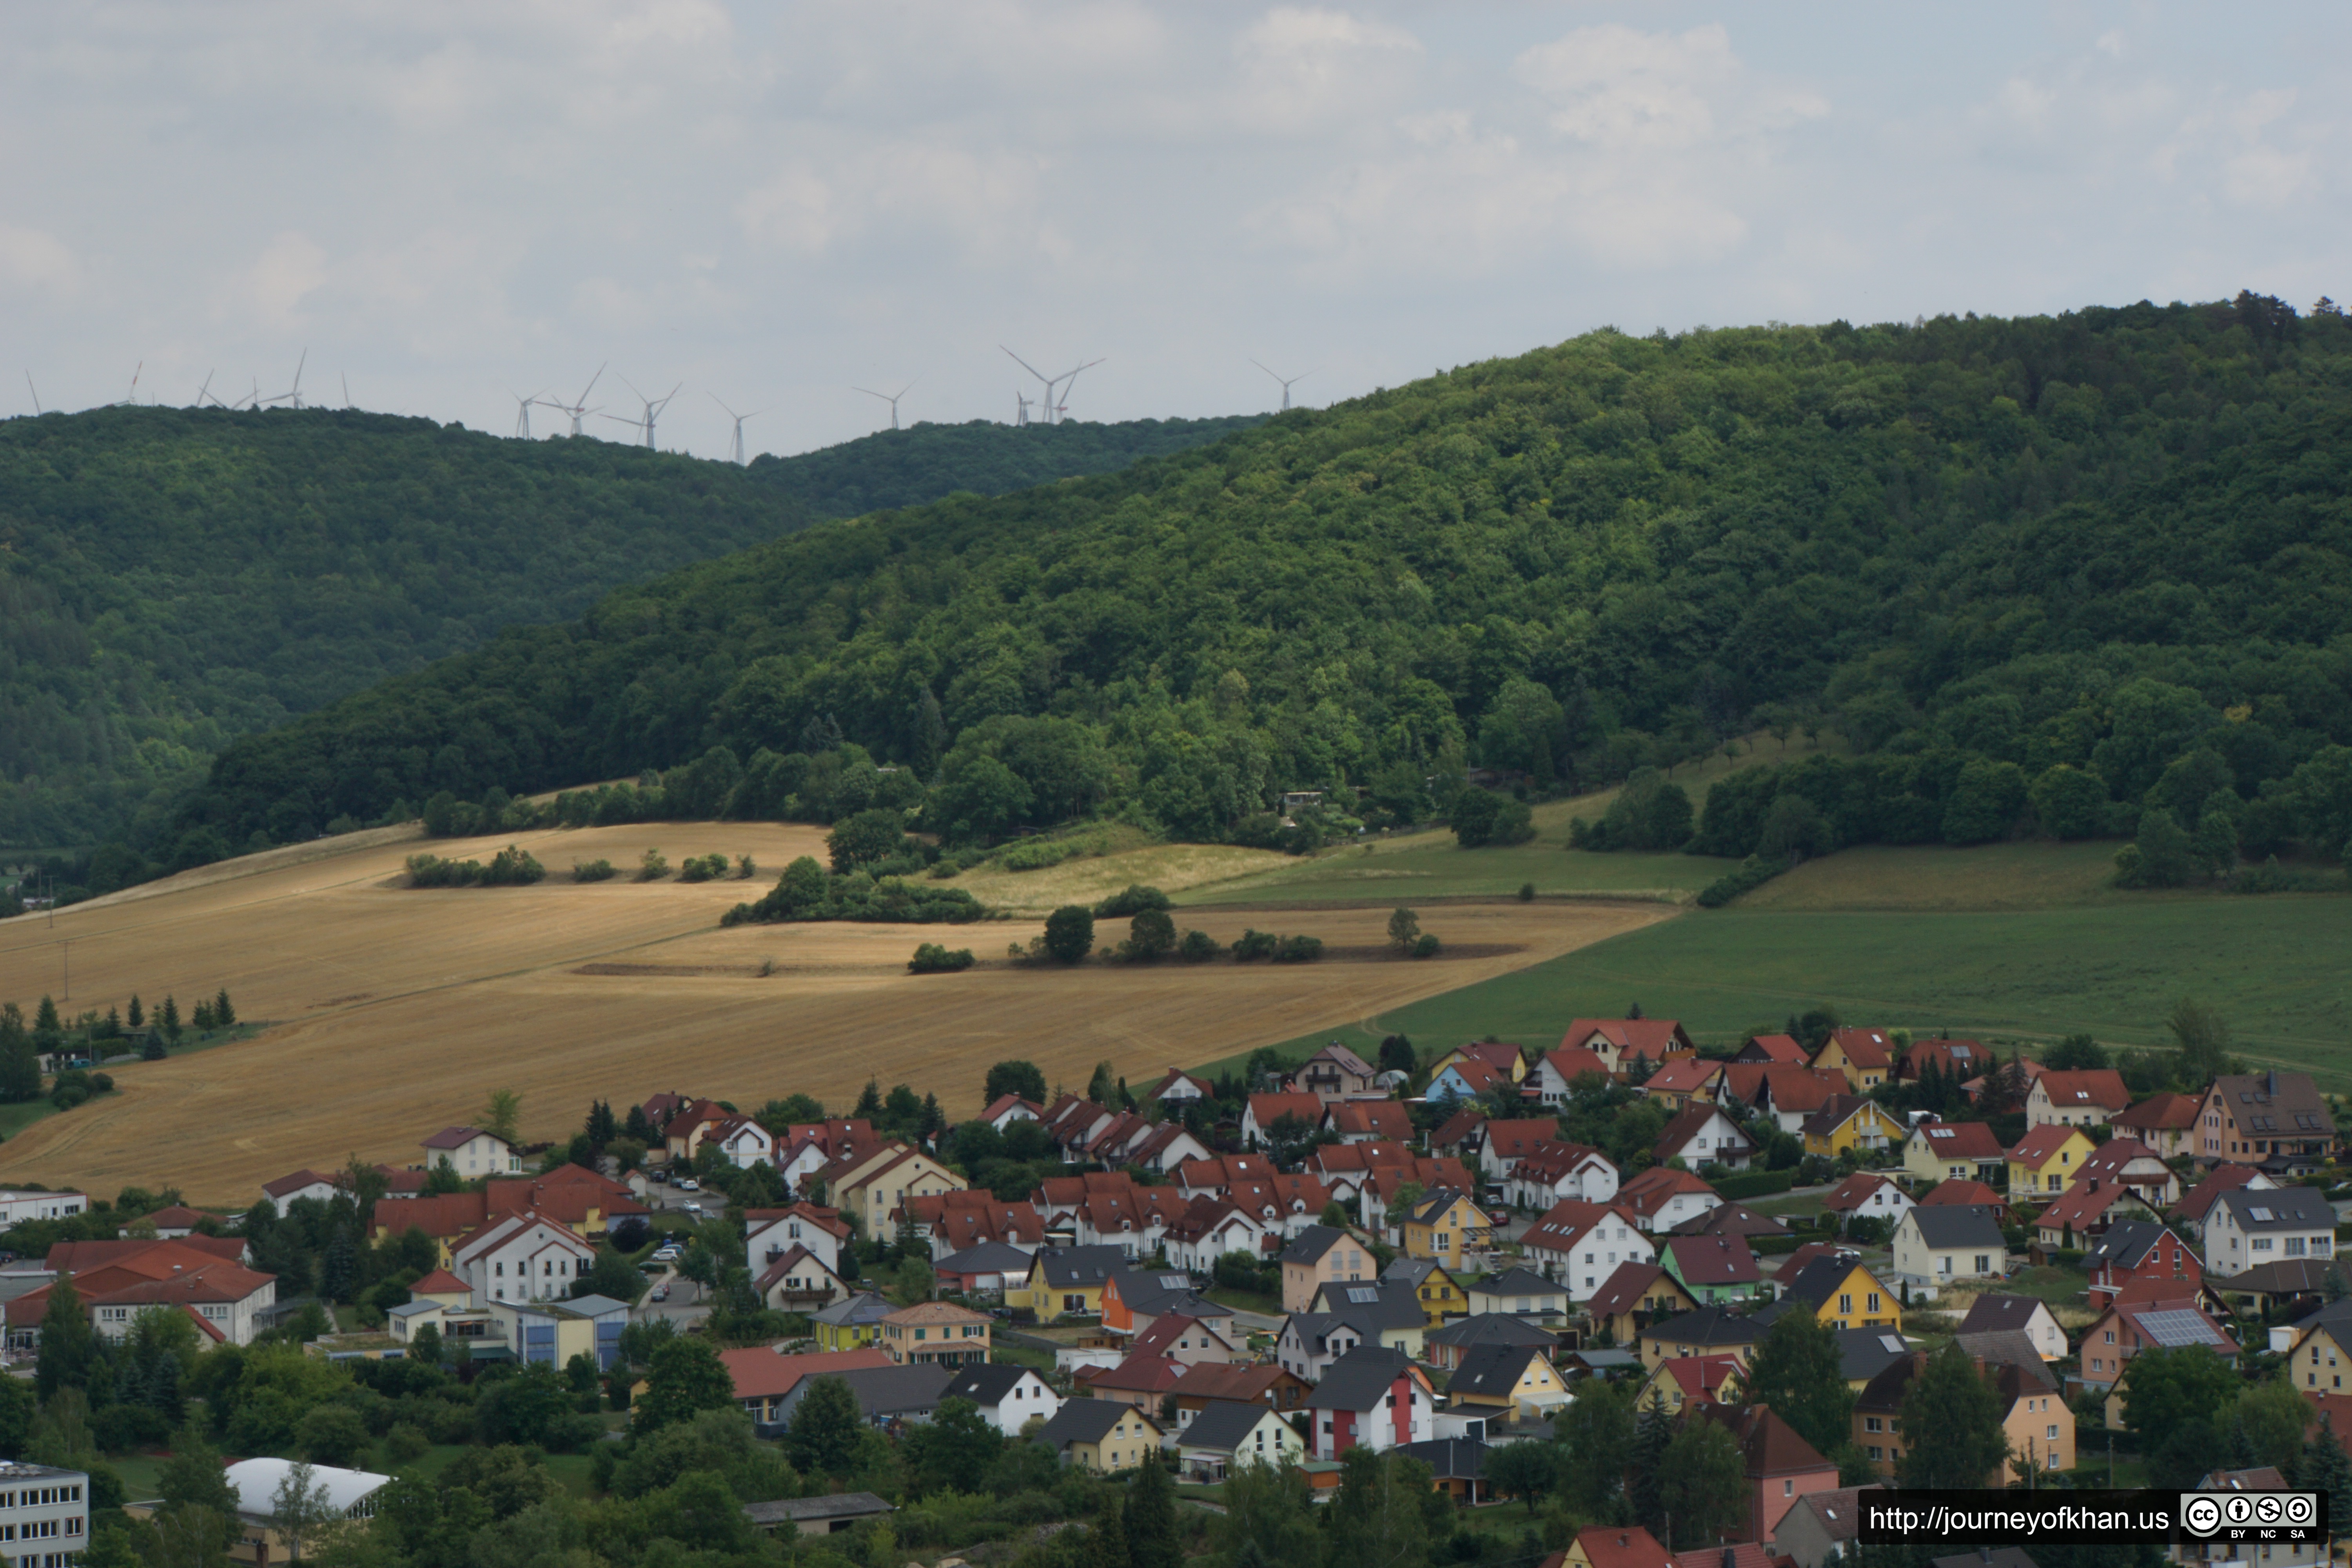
593 871
510 866
1750 875
931 958
1255 944
807 891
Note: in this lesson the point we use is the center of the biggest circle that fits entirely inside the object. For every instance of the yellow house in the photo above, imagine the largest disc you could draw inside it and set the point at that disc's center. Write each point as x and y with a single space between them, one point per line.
1849 1122
848 1324
1103 1436
1444 1226
2320 1359
1441 1296
1866 1056
2047 1159
1950 1152
1509 1378
1066 1281
877 1186
1697 1379
1503 1057
1845 1295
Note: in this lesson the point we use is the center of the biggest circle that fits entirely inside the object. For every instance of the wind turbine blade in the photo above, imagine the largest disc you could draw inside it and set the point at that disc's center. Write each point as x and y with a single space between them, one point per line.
722 402
882 396
34 390
909 387
1268 372
298 368
1025 365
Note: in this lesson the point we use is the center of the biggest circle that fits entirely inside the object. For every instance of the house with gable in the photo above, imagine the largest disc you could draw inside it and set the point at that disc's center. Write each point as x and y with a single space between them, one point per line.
1321 1254
877 1184
1370 1398
1448 1227
1228 1435
2275 1120
1621 1042
1840 1291
799 1281
1557 1072
1381 1189
1995 1313
1713 1268
1790 1095
1208 1229
2086 1099
1498 1056
1705 1331
1335 1073
472 1152
1779 1050
1431 1284
1007 1394
743 1141
1866 1195
1519 1293
1066 1281
1691 1382
2166 1123
1780 1466
521 1258
2133 1323
1703 1135
297 1184
769 1234
1849 1122
1191 1342
1866 1056
1446 1348
1614 1546
1636 1295
1683 1079
1507 1381
1938 1245
1662 1197
1553 1170
2047 1159
957 1221
1261 1112
1580 1245
1007 1109
1955 1061
1952 1151
1180 1088
982 1270
1102 1435
1368 1121
1465 1080
1502 1144
2190 1212
2246 1228
2080 1216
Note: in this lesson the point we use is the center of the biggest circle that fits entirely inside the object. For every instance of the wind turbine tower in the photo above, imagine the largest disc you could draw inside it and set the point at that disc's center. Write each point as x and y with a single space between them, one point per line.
1051 404
133 400
295 397
1286 386
522 409
891 398
736 454
579 409
654 407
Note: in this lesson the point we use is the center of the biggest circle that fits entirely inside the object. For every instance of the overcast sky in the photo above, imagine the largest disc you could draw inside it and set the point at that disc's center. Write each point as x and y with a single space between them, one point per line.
452 203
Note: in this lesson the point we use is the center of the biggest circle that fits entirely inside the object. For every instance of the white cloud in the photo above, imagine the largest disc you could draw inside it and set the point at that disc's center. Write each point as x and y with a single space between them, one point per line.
290 268
1619 87
33 258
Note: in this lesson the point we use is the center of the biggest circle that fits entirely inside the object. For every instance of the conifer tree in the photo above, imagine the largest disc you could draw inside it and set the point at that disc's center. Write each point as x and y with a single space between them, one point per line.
170 1017
223 1015
138 1015
1151 1521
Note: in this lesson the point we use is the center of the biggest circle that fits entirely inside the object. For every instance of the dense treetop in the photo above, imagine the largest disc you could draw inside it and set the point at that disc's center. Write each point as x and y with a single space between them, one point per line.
171 578
1960 539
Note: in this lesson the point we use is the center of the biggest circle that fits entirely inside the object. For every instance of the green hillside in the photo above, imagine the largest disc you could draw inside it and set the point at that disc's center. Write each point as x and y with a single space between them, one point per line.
2108 547
173 578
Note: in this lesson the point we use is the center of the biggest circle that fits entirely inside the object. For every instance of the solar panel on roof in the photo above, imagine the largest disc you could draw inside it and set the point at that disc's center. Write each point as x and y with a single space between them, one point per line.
1359 1294
2175 1329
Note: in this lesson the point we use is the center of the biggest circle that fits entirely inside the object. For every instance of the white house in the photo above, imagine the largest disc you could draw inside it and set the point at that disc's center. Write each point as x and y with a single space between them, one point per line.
1554 1076
1179 1088
743 1141
2249 1227
1940 1244
1581 1245
1371 1398
1007 1109
1554 1170
523 1258
1008 1396
472 1152
296 1185
1209 1229
1703 1135
1229 1434
769 1234
1866 1195
16 1208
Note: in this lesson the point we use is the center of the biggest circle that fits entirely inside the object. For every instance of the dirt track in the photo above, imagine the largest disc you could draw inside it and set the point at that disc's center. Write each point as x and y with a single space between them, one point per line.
396 1011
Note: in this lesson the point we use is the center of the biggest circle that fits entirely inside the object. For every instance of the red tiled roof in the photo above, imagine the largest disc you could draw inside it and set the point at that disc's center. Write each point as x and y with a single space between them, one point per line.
1854 1191
1573 1062
1652 1037
1704 1260
2164 1112
1516 1139
1959 1140
1782 1048
762 1373
1688 1124
1620 1546
1216 1379
295 1182
1971 1195
1143 1371
1701 1377
440 1282
1801 1091
1266 1109
1623 1290
2101 1086
1865 1048
1384 1117
453 1138
1455 1128
2225 1177
1684 1075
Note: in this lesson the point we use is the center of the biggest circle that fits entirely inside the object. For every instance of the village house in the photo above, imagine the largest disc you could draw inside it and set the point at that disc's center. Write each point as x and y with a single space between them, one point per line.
1841 1291
1507 1380
1557 1074
1966 1194
1103 1436
523 1258
2085 1098
1370 1398
1705 1331
2248 1227
2320 1351
1465 1080
1447 1227
1009 1395
1819 1530
1683 1079
1777 1050
1133 1300
1792 1096
1188 1341
1703 1135
2047 1159
1320 1254
1849 1122
1335 1073
1614 1546
1179 1088
1580 1245
1939 1246
1261 1112
1994 1313
1866 1195
1866 1056
2034 1418
2133 1323
298 1184
117 1280
769 1234
1621 1042
1952 1151
937 1331
1553 1170
799 1281
957 1221
874 1185
1310 1343
1636 1295
1007 1109
1228 1435
2166 1122
1662 1197
1519 1293
1140 1378
2141 1256
851 1323
472 1152
1688 1382
1368 1121
980 1270
1384 1187
1446 1347
2277 1120
1713 1268
1207 1230
1432 1285
1066 1281
1497 1057
2190 1212
1955 1061
1501 1145
1259 1383
2080 1216
1781 1467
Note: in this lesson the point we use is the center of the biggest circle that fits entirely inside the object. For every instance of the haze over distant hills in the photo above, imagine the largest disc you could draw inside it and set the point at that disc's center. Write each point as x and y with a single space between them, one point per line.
173 578
2115 543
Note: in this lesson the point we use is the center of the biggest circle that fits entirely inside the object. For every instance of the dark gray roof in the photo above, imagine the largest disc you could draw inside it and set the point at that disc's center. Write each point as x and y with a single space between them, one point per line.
1489 1328
865 1306
1066 1267
1708 1326
1449 1459
840 1505
885 1391
1411 1270
2279 1208
1863 1354
985 1257
1223 1424
2287 1276
1991 1313
1156 1291
1492 1370
1358 1380
1816 1281
1372 1305
1084 1421
2008 1347
2277 1104
1312 1243
984 1382
1519 1282
1956 1224
1731 1219
2125 1243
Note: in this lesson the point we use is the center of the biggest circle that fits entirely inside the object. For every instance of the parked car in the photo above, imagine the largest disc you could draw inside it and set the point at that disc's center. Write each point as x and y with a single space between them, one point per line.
688 1184
666 1255
661 1293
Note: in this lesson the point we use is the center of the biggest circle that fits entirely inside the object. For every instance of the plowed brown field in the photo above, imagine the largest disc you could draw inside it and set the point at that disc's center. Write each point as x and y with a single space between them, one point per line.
395 1011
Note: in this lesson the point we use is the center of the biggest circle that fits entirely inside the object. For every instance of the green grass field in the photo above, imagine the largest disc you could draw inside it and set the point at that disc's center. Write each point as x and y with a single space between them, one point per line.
2020 942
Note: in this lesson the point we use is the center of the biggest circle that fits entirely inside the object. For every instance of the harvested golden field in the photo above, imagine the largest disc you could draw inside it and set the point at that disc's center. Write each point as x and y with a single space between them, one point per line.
396 1011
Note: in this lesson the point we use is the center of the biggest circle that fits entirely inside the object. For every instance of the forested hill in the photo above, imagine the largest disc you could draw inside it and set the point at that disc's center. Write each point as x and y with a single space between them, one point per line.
171 578
2114 535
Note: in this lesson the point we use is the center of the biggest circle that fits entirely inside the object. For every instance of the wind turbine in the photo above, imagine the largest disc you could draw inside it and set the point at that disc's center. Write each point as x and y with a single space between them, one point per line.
35 390
891 399
580 410
132 400
295 397
347 389
1051 404
1302 375
737 455
1021 397
652 411
522 408
1063 408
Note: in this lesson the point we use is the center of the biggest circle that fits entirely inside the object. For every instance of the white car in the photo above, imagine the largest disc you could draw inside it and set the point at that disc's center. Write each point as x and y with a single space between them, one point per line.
688 1184
666 1255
